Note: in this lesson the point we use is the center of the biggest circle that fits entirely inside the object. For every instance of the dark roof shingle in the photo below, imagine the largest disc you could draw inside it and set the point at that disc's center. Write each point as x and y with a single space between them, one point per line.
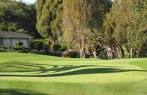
11 34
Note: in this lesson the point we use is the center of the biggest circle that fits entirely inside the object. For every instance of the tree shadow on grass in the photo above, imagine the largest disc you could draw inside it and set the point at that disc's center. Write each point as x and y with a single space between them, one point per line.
93 71
45 70
38 68
19 92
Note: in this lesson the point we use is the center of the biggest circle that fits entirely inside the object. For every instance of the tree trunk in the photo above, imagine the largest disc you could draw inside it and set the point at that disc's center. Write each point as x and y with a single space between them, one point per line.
131 53
137 53
50 44
94 54
82 52
119 54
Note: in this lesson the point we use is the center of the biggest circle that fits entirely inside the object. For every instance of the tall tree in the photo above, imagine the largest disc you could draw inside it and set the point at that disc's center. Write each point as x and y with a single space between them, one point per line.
48 19
81 18
125 26
137 26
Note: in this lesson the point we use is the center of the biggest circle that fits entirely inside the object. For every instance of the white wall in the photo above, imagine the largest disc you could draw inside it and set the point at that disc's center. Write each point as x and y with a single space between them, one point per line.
25 42
13 42
6 42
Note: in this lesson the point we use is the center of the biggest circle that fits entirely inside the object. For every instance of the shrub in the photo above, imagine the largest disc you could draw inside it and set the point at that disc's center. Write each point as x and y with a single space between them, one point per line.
37 44
57 47
7 48
55 53
2 49
24 50
126 52
71 53
143 52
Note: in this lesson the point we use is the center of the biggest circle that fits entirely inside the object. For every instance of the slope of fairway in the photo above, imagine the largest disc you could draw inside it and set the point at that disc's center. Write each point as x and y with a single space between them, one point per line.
32 74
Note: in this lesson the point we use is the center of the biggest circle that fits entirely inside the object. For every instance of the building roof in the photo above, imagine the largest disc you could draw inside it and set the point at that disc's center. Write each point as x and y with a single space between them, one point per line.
11 34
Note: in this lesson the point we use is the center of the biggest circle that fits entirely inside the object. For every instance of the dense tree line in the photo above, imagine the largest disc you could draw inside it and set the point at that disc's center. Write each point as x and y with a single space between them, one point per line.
92 26
55 18
87 26
82 24
126 28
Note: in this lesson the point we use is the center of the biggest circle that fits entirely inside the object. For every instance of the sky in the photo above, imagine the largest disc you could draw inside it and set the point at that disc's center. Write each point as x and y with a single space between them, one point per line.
32 1
29 1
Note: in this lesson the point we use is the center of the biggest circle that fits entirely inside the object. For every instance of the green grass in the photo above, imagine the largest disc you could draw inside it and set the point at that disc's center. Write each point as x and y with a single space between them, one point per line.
32 74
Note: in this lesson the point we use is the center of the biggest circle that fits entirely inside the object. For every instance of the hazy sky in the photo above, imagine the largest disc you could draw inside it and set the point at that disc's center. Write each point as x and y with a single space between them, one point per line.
29 1
32 1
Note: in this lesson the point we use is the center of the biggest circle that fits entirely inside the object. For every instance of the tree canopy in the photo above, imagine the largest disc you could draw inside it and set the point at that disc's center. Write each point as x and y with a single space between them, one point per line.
82 23
125 26
17 16
88 26
49 14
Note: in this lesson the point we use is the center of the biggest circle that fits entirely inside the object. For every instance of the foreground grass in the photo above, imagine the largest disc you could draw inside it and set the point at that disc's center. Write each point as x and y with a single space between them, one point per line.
31 74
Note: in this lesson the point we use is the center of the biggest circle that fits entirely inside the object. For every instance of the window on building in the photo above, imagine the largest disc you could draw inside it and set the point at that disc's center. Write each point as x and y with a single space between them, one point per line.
1 41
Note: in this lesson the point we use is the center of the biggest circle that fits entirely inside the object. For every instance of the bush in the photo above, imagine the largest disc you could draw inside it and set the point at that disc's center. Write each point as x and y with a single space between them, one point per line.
2 49
143 52
19 46
57 47
101 53
55 53
71 53
63 48
21 49
6 49
37 44
126 52
24 50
